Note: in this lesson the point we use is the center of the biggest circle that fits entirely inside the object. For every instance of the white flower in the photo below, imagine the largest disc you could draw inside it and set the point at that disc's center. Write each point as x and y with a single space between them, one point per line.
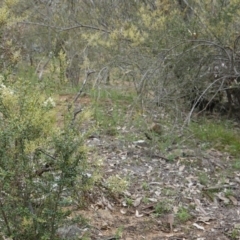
5 90
2 86
49 103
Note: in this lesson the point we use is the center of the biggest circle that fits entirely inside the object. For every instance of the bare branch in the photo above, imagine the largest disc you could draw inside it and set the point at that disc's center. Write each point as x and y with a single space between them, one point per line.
88 73
60 29
187 120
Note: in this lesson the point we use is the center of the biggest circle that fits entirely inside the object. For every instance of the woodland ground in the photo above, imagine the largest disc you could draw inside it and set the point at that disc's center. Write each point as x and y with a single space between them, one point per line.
186 189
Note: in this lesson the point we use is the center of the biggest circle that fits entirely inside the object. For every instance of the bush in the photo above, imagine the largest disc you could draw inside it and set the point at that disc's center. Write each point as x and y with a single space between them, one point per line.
39 163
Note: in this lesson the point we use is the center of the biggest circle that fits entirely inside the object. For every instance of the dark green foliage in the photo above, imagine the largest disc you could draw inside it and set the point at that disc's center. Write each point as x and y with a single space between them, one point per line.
39 163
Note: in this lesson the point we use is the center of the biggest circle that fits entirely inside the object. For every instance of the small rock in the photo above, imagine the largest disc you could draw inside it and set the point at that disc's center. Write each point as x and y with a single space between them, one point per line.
69 232
104 226
105 214
94 142
188 153
177 152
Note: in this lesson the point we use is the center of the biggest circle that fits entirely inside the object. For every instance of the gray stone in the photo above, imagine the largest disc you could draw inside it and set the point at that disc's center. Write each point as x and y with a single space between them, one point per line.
69 232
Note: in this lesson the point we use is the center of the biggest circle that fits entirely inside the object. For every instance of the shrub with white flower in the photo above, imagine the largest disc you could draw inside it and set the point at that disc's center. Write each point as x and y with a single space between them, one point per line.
2 86
7 96
5 90
40 162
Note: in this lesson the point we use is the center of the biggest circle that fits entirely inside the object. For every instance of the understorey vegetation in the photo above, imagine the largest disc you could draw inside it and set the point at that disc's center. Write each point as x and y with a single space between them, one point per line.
41 164
114 105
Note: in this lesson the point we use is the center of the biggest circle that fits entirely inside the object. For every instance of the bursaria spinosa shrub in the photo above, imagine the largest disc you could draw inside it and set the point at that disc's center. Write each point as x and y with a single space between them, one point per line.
38 163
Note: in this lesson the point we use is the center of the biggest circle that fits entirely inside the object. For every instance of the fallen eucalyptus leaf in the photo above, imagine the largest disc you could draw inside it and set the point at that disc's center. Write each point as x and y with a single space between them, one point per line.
223 198
204 219
123 211
124 203
198 227
152 199
234 200
149 169
138 215
110 207
181 168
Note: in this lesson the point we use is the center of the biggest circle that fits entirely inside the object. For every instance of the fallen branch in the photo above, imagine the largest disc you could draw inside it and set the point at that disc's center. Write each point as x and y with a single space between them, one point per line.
218 187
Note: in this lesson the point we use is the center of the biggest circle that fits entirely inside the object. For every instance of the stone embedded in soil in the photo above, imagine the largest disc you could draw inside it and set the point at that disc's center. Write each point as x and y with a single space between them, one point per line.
69 232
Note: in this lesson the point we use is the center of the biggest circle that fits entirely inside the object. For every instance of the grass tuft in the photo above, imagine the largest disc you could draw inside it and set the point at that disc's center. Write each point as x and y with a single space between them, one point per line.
221 135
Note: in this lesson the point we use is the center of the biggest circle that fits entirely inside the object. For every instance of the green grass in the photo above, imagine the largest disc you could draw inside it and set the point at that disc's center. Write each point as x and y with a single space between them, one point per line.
129 201
169 192
203 178
163 207
49 82
220 135
234 233
236 164
114 95
119 232
145 186
108 119
183 215
114 109
145 200
229 192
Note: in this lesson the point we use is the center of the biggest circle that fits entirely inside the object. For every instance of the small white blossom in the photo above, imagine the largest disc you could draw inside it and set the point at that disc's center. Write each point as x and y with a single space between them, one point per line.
2 86
49 103
5 90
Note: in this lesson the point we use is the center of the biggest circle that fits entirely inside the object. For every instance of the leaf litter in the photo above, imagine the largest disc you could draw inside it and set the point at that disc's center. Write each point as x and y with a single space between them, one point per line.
154 182
193 196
